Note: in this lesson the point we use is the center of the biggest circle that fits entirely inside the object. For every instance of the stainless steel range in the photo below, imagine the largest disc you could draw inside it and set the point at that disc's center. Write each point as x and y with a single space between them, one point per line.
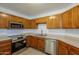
16 38
18 42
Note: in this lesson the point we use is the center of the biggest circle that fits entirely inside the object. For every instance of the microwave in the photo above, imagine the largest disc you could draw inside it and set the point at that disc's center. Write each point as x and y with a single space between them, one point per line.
15 25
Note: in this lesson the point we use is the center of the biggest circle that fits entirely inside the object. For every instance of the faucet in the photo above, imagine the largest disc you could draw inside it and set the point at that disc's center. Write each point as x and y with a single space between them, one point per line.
41 32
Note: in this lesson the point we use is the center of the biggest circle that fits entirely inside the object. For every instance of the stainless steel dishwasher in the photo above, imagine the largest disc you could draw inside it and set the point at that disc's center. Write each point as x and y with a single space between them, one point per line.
50 46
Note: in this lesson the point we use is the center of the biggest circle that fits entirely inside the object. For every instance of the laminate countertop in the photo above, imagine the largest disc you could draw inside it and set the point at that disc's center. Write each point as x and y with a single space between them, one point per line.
4 38
74 41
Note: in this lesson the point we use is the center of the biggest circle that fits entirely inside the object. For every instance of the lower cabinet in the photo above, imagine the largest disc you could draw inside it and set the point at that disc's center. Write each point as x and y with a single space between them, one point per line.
74 51
40 44
66 49
5 47
62 48
35 42
30 41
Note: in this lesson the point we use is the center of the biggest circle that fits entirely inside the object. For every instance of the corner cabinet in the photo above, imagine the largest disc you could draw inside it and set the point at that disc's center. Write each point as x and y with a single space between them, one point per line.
66 49
35 42
32 24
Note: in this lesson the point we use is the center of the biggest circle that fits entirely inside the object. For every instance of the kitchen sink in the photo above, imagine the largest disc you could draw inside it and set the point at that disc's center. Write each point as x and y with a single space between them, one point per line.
42 35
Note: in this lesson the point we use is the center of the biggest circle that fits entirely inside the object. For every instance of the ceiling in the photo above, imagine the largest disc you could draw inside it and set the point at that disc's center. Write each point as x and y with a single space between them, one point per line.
34 10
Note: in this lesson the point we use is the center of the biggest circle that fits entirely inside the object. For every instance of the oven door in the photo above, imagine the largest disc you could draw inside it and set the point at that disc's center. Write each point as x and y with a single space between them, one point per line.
18 45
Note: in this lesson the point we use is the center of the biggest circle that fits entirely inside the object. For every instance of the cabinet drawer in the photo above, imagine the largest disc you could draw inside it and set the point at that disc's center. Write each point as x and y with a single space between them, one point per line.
5 45
5 42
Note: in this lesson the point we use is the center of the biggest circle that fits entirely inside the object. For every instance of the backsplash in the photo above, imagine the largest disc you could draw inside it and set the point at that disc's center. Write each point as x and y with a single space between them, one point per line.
73 32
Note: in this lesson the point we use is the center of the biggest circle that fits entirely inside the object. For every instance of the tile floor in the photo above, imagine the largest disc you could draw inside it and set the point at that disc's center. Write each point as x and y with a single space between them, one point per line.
28 51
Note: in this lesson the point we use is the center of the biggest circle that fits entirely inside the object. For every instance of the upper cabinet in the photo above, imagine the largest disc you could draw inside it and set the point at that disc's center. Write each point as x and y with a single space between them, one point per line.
26 23
4 20
54 22
41 20
75 17
71 18
33 25
67 20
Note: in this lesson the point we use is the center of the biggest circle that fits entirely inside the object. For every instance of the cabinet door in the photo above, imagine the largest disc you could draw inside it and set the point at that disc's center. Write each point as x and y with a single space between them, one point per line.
26 23
41 44
35 45
62 48
55 23
5 47
75 17
33 24
4 20
67 20
30 41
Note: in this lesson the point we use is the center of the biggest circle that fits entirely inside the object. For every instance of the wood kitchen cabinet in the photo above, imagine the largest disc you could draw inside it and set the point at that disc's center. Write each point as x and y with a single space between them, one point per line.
33 25
35 42
73 50
30 41
5 47
23 21
55 23
26 24
51 23
4 21
66 49
41 44
70 18
41 20
75 17
67 20
62 48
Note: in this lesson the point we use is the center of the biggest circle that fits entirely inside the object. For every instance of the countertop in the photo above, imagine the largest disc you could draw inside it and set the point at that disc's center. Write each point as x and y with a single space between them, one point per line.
4 38
74 41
